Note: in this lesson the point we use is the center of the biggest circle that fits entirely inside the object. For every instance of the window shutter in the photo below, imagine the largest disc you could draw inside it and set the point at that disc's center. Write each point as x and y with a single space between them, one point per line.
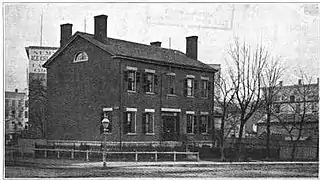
125 123
144 121
196 88
125 75
195 124
101 129
110 125
185 87
144 82
155 79
138 76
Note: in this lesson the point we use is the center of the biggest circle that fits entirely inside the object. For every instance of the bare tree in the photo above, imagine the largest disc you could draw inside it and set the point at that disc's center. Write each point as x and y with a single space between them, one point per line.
271 75
246 77
224 102
38 103
299 110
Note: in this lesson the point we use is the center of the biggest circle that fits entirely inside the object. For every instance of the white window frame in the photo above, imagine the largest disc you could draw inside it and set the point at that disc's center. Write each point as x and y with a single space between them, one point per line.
192 88
150 111
132 110
150 72
129 70
207 88
192 122
77 54
207 123
170 76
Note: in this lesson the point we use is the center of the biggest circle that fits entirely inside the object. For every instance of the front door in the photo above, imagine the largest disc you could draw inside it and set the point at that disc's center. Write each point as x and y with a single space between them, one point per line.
170 126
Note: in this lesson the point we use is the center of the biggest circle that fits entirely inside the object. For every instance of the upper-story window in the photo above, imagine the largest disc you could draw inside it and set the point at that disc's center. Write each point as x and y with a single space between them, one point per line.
204 87
149 81
131 78
189 86
80 57
171 83
292 98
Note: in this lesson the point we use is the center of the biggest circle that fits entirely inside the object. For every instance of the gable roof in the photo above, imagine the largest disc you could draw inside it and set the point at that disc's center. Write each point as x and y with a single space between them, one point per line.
134 50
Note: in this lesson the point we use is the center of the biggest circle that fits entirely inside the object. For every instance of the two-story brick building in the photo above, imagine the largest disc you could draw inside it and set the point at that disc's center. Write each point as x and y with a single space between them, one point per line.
149 93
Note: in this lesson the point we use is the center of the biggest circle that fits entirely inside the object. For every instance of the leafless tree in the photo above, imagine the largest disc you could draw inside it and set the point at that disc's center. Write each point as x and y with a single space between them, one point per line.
246 76
38 106
271 75
299 109
224 102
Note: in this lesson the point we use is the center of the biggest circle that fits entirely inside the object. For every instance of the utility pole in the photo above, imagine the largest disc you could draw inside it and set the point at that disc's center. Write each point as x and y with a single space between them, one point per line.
41 27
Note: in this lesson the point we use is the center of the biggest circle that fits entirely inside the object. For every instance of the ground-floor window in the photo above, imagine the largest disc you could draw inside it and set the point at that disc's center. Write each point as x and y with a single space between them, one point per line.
204 124
130 122
148 122
190 124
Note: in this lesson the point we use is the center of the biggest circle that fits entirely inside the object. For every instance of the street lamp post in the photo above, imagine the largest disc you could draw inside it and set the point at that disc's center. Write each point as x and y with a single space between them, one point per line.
105 123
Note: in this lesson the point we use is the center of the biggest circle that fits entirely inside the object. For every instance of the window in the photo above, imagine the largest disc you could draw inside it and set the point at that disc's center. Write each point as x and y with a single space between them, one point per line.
149 84
20 103
80 57
20 114
204 88
131 80
13 102
108 114
171 83
190 87
204 124
292 98
130 122
26 103
191 124
26 114
148 122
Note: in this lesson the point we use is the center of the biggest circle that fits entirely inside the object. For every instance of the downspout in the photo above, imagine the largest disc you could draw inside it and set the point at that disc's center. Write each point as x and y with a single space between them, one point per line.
120 104
212 109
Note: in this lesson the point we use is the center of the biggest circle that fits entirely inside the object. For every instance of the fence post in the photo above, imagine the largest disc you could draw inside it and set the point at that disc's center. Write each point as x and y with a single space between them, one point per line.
72 154
174 156
156 156
87 155
45 153
197 156
58 154
136 156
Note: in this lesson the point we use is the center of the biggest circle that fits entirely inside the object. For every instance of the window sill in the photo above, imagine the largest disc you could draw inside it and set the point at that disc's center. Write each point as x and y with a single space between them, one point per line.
172 95
150 93
190 96
133 92
131 134
149 134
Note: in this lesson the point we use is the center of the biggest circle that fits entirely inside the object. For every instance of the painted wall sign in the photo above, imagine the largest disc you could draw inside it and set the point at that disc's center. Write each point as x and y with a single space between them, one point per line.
38 56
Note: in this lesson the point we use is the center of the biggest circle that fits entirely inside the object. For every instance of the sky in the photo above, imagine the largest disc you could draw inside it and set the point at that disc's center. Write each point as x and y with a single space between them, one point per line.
289 31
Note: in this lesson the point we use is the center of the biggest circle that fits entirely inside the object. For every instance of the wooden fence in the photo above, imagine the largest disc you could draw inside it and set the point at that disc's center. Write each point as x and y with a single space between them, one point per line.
13 152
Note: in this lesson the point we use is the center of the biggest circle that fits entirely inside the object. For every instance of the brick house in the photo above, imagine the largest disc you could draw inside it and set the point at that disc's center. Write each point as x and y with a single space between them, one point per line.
16 113
149 93
291 103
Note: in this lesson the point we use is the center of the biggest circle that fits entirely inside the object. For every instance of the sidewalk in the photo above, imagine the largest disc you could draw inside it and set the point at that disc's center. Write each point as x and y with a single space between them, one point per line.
63 163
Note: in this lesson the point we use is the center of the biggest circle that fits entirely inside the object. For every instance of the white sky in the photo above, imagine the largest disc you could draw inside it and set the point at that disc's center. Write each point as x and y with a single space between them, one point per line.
285 29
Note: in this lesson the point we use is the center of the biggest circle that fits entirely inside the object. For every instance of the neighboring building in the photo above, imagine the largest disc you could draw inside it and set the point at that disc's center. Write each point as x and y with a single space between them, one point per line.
149 93
37 56
289 107
16 113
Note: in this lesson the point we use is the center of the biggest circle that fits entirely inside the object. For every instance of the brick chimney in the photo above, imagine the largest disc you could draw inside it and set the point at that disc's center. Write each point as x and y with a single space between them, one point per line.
65 34
156 43
192 47
100 27
299 81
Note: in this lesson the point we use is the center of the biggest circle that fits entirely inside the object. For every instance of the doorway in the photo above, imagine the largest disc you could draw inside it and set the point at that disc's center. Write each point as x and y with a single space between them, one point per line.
171 126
